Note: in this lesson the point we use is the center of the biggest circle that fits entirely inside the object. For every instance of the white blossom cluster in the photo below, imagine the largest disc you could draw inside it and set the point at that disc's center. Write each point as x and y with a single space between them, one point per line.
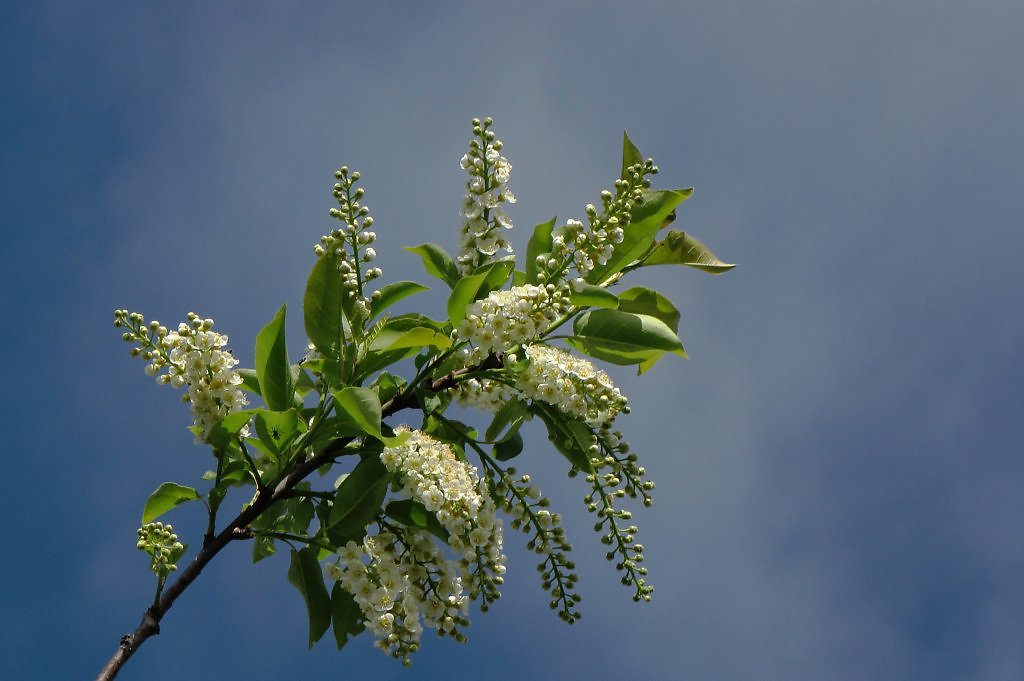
508 318
396 580
191 356
484 219
554 377
570 383
350 244
400 584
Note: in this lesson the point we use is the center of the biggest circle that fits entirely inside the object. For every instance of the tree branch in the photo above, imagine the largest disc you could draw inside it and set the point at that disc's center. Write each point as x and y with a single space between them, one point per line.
238 528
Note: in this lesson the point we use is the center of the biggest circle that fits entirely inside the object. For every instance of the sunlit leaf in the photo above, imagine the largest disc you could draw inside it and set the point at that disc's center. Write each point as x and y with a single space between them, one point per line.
589 295
679 248
477 285
272 366
166 497
392 293
321 307
437 262
630 155
640 300
646 220
540 243
360 407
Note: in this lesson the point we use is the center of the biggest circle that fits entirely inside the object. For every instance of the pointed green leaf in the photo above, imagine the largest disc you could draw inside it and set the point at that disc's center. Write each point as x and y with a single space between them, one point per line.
477 285
358 499
642 331
410 331
509 447
361 407
646 220
613 351
589 295
392 293
437 263
321 307
679 248
640 300
630 155
570 437
272 366
346 616
540 243
304 573
249 380
414 514
166 497
510 416
277 429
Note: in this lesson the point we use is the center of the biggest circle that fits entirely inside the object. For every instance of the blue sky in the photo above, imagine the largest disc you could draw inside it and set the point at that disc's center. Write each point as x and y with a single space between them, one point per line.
840 481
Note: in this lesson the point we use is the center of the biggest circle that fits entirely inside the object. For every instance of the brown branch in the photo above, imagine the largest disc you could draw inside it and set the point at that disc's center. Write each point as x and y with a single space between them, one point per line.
238 528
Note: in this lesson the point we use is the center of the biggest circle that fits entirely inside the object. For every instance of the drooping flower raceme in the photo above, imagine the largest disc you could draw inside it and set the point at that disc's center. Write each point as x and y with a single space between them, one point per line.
508 318
572 384
555 377
192 356
484 220
401 575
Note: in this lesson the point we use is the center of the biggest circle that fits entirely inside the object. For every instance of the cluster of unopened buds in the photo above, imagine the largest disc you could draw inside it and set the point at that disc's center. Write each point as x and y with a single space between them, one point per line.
351 243
160 542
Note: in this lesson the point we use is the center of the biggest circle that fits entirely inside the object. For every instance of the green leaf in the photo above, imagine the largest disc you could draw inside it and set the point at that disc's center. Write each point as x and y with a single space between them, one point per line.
570 437
593 296
234 421
509 447
272 367
262 547
321 307
540 243
646 220
166 497
679 248
640 300
250 381
358 500
414 514
304 573
511 416
277 429
410 331
437 263
641 331
360 407
477 285
392 293
630 155
345 615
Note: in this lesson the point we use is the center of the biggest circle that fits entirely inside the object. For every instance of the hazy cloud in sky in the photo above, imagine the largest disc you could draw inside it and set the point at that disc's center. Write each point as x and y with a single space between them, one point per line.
838 465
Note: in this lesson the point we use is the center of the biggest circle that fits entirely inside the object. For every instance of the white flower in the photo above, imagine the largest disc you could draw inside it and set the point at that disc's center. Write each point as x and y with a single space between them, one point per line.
570 383
507 318
481 237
